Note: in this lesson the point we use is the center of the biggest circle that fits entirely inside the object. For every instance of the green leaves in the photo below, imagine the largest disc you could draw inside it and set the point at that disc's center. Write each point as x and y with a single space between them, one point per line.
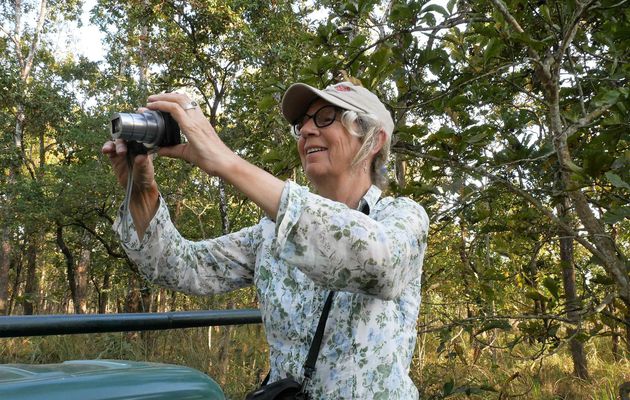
450 390
473 144
412 133
535 295
616 180
616 214
608 97
478 134
402 13
526 40
496 324
267 102
553 286
447 388
492 50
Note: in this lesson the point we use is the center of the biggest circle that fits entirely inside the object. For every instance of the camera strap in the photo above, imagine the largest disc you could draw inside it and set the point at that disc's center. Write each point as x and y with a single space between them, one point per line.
132 151
125 206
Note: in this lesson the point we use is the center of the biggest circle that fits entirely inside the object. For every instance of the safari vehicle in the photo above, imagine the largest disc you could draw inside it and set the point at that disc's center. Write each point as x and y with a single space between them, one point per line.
111 379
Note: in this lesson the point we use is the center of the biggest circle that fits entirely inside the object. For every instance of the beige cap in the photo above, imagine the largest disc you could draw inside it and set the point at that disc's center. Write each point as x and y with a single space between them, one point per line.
346 95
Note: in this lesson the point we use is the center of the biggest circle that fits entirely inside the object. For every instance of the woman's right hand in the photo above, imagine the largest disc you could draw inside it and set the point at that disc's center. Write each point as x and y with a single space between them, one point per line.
144 200
143 172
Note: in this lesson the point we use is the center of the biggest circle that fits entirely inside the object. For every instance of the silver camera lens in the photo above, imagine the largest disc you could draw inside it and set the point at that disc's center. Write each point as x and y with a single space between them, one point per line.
147 130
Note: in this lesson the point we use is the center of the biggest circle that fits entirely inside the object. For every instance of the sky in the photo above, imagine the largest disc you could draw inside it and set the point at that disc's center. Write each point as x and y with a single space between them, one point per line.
86 40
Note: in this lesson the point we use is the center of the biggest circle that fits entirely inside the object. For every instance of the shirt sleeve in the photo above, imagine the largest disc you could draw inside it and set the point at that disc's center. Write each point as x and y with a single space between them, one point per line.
195 267
344 249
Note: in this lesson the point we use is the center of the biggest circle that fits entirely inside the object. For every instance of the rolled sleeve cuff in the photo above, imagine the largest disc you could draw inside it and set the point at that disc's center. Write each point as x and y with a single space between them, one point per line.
125 228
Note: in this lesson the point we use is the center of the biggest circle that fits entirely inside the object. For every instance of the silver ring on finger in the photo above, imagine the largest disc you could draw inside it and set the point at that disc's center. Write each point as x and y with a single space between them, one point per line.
190 106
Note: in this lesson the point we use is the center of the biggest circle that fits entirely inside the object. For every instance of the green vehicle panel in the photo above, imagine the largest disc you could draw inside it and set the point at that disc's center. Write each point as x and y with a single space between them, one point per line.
105 380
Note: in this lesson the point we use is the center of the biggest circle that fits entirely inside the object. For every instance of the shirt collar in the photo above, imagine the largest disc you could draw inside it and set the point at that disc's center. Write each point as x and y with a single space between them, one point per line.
370 198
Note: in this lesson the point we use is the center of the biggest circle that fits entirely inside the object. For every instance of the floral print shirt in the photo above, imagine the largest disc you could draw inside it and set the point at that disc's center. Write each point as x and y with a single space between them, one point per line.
315 245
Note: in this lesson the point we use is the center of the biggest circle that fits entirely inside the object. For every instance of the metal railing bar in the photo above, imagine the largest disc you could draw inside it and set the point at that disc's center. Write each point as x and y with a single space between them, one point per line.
66 324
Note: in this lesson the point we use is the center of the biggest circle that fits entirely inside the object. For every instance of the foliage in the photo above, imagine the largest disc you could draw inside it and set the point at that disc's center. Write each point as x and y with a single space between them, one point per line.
505 112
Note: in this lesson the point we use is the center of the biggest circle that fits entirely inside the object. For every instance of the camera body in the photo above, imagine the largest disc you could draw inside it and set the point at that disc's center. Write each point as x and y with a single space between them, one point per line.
146 131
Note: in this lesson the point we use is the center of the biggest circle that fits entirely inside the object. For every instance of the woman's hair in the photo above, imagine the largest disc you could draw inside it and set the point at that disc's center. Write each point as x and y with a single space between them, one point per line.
367 127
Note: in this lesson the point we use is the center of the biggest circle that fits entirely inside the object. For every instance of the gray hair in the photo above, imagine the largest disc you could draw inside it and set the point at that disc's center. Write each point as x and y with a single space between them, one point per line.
367 127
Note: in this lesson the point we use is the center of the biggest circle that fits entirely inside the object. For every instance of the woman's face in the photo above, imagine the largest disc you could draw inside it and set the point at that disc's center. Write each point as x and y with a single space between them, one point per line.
326 153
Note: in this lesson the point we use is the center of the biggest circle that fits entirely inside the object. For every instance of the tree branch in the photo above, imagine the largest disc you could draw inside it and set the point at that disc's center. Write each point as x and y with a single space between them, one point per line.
512 21
405 148
526 92
462 84
16 31
577 82
28 64
586 120
98 237
16 43
444 25
570 34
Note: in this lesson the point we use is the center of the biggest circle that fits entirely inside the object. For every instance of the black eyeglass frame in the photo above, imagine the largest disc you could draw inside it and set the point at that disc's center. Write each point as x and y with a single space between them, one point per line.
304 118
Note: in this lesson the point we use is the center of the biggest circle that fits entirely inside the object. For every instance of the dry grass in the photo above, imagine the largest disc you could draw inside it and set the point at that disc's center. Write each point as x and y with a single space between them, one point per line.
459 372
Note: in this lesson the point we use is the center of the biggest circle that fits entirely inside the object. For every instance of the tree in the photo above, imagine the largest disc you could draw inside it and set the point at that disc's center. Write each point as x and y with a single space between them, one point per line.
26 47
511 121
512 100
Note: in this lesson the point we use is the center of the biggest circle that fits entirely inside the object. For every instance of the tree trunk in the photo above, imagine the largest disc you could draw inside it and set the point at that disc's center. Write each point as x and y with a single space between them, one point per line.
5 263
161 300
146 297
31 290
103 295
401 171
603 245
573 303
616 351
223 208
173 301
133 300
81 275
547 70
5 250
70 276
42 305
16 265
530 273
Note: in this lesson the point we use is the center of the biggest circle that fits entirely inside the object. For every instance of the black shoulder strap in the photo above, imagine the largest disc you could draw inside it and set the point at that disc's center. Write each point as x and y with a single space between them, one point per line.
311 359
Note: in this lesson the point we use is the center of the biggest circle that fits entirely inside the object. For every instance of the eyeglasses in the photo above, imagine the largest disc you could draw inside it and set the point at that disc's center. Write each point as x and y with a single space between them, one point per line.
322 118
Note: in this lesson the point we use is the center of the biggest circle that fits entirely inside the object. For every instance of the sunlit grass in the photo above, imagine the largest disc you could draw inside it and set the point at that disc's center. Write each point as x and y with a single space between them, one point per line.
459 372
237 359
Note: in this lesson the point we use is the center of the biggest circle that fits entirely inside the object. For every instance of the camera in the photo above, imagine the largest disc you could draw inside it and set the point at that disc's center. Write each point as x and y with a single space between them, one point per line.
145 131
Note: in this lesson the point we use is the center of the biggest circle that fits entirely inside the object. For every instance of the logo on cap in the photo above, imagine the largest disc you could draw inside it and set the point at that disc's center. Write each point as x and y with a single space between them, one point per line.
342 88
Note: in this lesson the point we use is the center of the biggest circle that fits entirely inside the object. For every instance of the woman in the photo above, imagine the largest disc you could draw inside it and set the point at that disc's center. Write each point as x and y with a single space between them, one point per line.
307 245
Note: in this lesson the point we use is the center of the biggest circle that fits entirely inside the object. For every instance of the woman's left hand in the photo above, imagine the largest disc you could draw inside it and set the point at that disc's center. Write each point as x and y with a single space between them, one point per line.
206 150
204 147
